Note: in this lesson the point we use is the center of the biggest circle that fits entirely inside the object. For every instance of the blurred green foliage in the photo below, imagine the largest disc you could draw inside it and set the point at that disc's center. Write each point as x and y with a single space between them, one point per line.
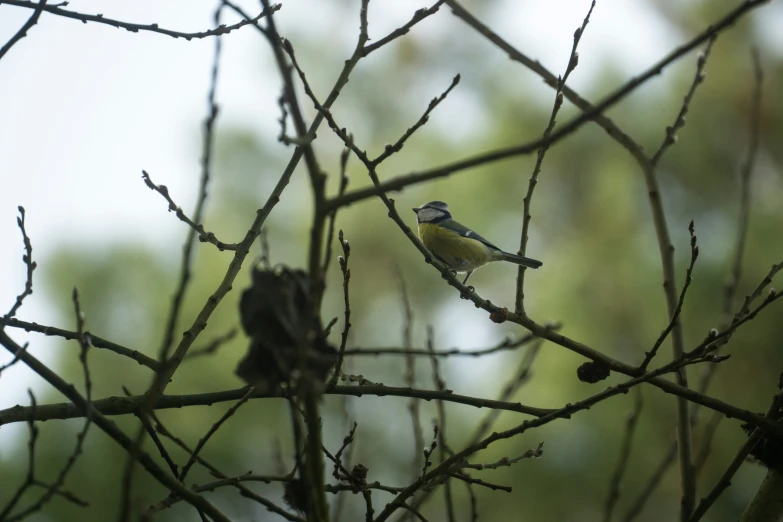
601 278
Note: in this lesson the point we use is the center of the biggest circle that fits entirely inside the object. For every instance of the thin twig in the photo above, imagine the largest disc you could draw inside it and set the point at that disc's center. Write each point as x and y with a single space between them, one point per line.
399 182
216 426
742 454
135 28
505 345
473 503
532 453
746 172
679 122
573 60
666 249
203 235
418 16
440 385
549 78
207 147
519 378
706 441
730 288
111 429
188 248
30 266
343 260
95 341
566 411
638 504
625 454
22 32
244 491
388 150
50 490
478 482
676 315
213 346
410 370
500 315
338 463
159 444
344 155
263 239
30 477
743 218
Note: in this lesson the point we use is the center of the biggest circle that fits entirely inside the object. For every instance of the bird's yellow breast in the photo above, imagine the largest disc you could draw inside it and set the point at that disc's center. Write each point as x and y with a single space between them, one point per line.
460 253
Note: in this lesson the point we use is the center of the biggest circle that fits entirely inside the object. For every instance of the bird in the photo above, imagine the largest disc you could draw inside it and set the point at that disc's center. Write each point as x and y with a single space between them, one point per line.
455 245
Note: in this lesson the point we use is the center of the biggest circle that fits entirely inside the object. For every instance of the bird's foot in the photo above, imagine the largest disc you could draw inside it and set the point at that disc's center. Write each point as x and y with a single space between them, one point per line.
466 295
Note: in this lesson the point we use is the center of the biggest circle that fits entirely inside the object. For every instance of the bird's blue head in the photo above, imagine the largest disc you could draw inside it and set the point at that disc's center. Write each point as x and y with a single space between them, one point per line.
432 212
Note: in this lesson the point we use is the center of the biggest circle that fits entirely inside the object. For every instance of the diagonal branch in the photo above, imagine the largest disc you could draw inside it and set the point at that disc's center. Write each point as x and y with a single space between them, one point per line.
203 235
400 182
22 32
418 16
676 315
550 79
111 429
725 481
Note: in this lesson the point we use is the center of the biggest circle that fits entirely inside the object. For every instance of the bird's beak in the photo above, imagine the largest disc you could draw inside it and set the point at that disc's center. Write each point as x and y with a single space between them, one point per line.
417 209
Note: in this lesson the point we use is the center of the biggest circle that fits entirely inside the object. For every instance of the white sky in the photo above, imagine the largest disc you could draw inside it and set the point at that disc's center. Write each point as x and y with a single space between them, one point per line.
84 108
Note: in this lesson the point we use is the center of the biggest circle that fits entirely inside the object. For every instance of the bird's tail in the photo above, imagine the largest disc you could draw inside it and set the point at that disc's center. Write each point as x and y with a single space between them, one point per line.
519 260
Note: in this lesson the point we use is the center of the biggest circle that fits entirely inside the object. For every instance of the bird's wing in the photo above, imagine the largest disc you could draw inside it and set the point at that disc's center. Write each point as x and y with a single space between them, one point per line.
464 231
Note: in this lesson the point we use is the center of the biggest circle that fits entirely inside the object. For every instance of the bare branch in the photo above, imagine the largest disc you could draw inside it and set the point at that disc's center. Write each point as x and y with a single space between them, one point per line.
31 265
343 260
22 32
418 16
564 412
213 346
135 28
676 315
131 405
95 341
216 426
204 236
397 146
573 60
410 370
679 121
244 491
505 345
625 454
550 79
30 478
440 385
507 462
742 454
746 171
198 213
111 429
400 182
344 155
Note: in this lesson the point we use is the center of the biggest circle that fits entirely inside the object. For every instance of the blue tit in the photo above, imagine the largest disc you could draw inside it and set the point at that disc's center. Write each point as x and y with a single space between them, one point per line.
457 246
